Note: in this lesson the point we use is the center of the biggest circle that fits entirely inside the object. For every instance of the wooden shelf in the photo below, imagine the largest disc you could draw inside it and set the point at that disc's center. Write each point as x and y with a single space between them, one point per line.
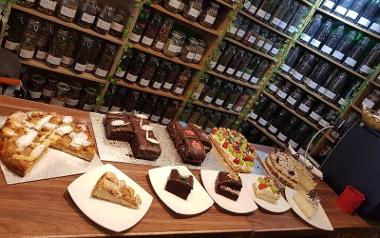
373 82
62 70
184 20
336 63
225 4
374 35
161 55
307 3
250 49
244 84
216 108
301 86
150 90
266 25
356 108
265 132
67 24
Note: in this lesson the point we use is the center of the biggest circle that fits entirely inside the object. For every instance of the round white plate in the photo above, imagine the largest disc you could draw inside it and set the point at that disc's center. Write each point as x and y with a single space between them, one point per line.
198 200
319 220
244 204
279 207
110 215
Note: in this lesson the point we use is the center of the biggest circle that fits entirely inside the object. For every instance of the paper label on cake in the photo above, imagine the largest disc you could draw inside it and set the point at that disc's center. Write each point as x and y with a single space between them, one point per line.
168 85
88 107
330 94
219 102
212 64
101 72
240 33
305 37
261 13
90 67
303 107
27 54
131 77
292 29
239 74
157 85
293 144
311 83
229 106
174 3
260 43
165 121
297 75
253 115
80 67
365 69
103 24
179 90
159 45
34 94
274 51
190 55
232 29
57 102
375 27
368 103
88 18
273 88
246 76
352 14
272 129
326 49
41 54
275 21
341 101
364 21
155 118
144 82
210 19
291 100
254 79
68 11
340 9
136 38
252 9
48 4
68 61
328 4
285 67
282 137
147 41
10 45
262 121
349 61
238 108
267 46
267 16
117 27
322 90
281 94
47 92
315 43
54 60
230 71
220 68
338 55
207 99
120 73
251 39
323 123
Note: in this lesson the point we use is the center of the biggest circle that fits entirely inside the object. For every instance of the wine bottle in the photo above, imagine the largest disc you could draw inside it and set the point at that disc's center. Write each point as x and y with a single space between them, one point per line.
319 74
316 114
355 10
267 114
284 91
275 85
356 52
288 127
217 55
291 11
234 62
225 58
312 28
291 59
293 25
242 65
294 98
222 94
371 9
321 34
332 40
275 20
259 72
323 87
369 63
301 70
328 118
342 7
305 105
277 121
344 45
139 28
259 108
252 66
242 100
329 5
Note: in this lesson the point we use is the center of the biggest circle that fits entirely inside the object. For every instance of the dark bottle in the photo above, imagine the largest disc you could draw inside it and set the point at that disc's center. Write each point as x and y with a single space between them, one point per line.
104 20
375 26
158 110
332 40
131 100
232 98
140 104
291 59
356 8
372 8
253 6
259 71
148 71
57 48
336 86
87 101
276 47
225 59
261 38
126 61
293 25
264 10
242 65
170 112
108 99
242 30
294 98
234 26
251 67
275 85
46 34
68 56
217 55
211 90
284 91
150 103
119 100
305 105
316 114
136 68
268 44
298 136
322 89
251 35
280 12
140 25
312 28
183 79
369 63
268 113
195 114
342 7
288 127
291 11
278 120
274 5
151 30
235 61
328 118
203 118
222 94
105 60
171 77
186 113
94 55
200 87
242 100
344 45
17 23
348 92
160 76
307 63
329 5
83 54
322 34
356 53
318 75
259 108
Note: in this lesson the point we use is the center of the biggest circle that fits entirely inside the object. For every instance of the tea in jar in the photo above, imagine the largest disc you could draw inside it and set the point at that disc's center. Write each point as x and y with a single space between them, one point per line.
174 44
57 48
163 35
209 15
87 13
105 61
103 22
29 39
119 22
67 10
47 6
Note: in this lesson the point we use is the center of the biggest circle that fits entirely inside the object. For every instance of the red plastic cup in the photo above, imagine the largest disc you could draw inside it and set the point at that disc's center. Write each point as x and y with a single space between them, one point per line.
350 199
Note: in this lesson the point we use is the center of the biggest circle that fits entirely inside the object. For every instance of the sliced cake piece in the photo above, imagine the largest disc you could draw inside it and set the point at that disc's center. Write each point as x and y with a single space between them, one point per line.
307 202
179 185
228 185
111 189
266 189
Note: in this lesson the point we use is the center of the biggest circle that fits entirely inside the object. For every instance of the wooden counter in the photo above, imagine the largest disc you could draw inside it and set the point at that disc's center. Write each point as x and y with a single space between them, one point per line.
44 208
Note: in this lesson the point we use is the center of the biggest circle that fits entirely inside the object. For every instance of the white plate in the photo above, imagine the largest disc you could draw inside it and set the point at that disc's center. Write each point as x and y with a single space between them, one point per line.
197 201
279 207
319 220
110 215
244 204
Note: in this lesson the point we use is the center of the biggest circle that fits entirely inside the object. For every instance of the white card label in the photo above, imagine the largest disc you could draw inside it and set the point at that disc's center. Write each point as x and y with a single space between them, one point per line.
293 144
54 60
67 60
144 82
239 74
273 88
375 27
322 90
252 9
41 54
341 10
179 90
262 121
275 21
80 67
136 38
253 115
330 94
230 71
365 69
10 45
88 18
305 37
254 79
315 116
190 55
291 101
274 51
282 137
241 33
303 107
103 24
326 49
168 86
68 12
281 94
246 76
193 12
71 102
210 19
311 83
341 101
117 27
364 21
285 67
328 4
323 123
261 13
147 41
251 39
315 43
207 99
48 4
159 45
101 72
157 85
219 102
352 14
260 43
34 94
27 54
131 77
338 55
349 61
220 68
368 103
272 129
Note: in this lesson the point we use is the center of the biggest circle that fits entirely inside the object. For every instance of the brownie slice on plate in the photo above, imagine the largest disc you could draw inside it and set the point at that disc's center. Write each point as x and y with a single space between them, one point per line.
228 185
178 185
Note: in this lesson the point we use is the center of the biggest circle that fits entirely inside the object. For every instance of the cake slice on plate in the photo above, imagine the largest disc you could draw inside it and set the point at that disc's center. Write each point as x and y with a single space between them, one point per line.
228 185
307 202
266 189
179 185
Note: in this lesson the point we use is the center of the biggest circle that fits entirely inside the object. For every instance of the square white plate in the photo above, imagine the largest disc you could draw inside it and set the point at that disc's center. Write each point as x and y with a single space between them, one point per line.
320 218
279 207
197 201
244 204
110 215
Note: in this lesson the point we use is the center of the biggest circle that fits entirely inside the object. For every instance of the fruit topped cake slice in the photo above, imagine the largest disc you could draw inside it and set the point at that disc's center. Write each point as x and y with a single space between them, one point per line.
265 188
238 153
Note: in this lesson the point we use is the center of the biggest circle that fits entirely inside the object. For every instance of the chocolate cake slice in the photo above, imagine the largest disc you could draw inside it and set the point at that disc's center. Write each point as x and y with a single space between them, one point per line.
203 137
144 149
178 185
228 185
192 152
119 128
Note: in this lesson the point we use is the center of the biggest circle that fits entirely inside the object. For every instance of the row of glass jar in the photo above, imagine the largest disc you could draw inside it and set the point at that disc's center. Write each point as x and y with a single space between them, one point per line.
86 13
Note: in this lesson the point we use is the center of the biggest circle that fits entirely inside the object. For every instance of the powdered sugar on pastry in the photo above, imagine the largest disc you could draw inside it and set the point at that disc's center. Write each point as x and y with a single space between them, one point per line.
80 140
63 130
67 119
41 123
26 140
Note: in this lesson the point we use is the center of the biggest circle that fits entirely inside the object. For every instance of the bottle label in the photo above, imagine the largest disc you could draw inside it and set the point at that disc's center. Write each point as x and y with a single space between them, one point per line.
260 43
261 13
303 107
103 109
285 67
323 123
190 55
159 45
54 60
90 67
32 1
67 60
207 99
273 88
27 54
34 94
232 30
179 90
47 92
246 76
80 67
342 101
272 129
326 49
210 19
101 72
282 137
219 102
254 79
350 61
315 116
193 12
48 4
120 73
292 29
157 85
238 108
88 107
251 39
147 41
220 68
253 115
267 46
352 14
239 74
365 69
267 16
368 103
144 82
88 18
252 9
230 71
241 33
364 21
71 102
175 4
247 4
297 75
165 121
212 64
168 86
262 121
293 144
41 54
281 94
341 10
338 55
315 43
229 106
275 21
10 45
154 118
115 109
305 37
103 24
328 4
282 25
117 27
136 38
322 90
330 94
131 77
375 27
291 101
274 51
68 12
57 102
311 83
174 48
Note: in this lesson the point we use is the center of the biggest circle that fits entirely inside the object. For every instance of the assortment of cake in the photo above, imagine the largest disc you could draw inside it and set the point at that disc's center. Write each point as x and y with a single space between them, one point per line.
235 149
307 202
111 189
26 136
191 142
179 185
228 185
289 171
266 189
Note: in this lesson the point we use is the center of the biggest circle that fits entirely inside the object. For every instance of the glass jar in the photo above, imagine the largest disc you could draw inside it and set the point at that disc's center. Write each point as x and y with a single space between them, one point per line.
124 64
232 29
193 9
47 6
151 30
183 79
140 25
35 86
27 3
94 55
83 54
175 6
199 51
103 21
62 91
173 45
251 35
119 22
171 77
42 48
68 56
163 35
67 10
105 61
148 71
243 27
161 74
189 50
73 96
170 112
29 39
49 89
87 13
88 99
209 15
17 23
57 48
136 68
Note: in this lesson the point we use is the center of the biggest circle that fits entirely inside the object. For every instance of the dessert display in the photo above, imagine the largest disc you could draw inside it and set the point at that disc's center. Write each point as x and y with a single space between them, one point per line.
191 142
228 185
111 189
234 148
307 202
289 171
266 189
179 185
118 127
25 138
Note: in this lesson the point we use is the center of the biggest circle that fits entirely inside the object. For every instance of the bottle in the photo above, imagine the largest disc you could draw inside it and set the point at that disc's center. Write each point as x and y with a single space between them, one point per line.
195 114
294 98
367 66
279 13
293 25
150 103
233 28
284 91
185 113
263 12
242 65
234 62
344 45
372 100
171 77
210 91
246 5
126 60
108 98
254 5
307 63
318 75
140 104
342 7
285 19
372 8
355 54
347 93
242 100
328 118
267 114
217 55
170 112
332 40
275 85
251 67
151 30
136 68
288 127
342 125
225 59
261 38
312 28
148 71
200 87
276 47
211 122
119 100
316 114
354 11
274 5
159 109
277 121
322 89
259 71
259 107
183 79
321 34
375 26
131 100
222 94
305 105
291 59
268 44
243 27
251 35
140 25
232 98
298 136
329 5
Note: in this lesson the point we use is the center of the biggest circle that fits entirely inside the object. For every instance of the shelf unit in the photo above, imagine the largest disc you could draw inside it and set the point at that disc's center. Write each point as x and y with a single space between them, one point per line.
250 49
224 77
